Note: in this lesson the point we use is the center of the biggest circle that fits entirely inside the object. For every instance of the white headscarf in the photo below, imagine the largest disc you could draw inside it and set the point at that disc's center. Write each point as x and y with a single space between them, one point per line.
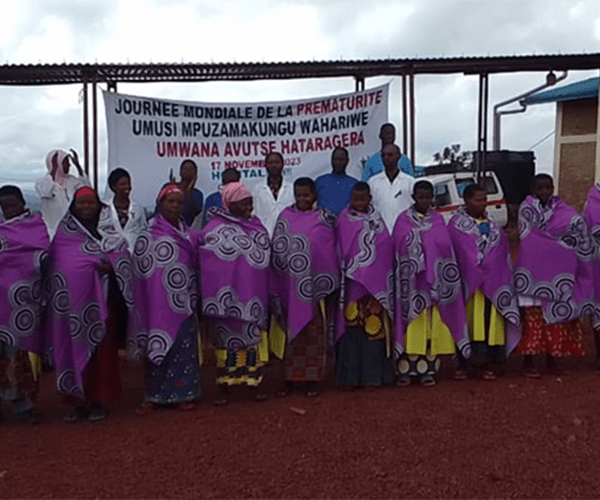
60 176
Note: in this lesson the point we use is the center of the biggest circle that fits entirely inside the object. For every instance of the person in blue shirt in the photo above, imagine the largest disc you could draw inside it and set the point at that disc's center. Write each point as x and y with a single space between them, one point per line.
193 198
215 200
374 164
335 189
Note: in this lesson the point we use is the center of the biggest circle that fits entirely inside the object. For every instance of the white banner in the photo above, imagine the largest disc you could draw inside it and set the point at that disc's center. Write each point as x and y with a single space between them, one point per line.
149 137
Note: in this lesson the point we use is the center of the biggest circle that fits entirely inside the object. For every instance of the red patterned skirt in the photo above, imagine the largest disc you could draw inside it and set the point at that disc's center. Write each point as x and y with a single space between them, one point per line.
562 339
305 356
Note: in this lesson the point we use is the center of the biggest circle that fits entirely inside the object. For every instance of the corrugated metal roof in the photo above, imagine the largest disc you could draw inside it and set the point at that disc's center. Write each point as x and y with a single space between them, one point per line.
585 89
58 74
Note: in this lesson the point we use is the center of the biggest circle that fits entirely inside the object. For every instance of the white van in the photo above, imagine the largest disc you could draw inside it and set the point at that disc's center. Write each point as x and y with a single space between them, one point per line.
448 192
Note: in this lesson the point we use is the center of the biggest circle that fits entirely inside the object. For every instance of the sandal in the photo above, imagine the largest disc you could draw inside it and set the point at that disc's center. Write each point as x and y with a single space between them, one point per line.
187 406
312 389
488 375
221 402
75 415
460 375
97 413
531 373
260 397
403 381
287 390
427 381
144 408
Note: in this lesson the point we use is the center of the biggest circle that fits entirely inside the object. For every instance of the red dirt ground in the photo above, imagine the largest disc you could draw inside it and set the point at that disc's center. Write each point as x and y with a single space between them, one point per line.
513 438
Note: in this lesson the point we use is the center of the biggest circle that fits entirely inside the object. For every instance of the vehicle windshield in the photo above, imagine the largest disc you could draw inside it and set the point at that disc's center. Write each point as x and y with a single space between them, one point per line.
490 185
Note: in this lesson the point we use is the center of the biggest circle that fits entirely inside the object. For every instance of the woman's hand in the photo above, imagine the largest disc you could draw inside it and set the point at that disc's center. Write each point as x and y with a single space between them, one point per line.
75 160
104 267
54 161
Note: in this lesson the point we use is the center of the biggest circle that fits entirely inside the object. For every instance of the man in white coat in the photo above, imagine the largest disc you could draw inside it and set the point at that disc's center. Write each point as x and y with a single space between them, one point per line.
391 189
273 196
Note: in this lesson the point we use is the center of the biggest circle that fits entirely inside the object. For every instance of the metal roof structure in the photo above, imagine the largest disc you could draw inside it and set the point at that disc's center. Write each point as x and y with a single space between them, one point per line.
585 89
70 73
407 68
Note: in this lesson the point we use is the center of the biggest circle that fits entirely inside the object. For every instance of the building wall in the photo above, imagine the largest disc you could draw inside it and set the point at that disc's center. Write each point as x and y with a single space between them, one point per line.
576 144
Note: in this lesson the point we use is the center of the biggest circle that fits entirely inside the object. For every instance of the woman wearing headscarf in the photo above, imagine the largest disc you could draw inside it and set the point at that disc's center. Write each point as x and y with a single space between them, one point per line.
305 274
90 272
57 187
24 247
122 212
235 253
166 296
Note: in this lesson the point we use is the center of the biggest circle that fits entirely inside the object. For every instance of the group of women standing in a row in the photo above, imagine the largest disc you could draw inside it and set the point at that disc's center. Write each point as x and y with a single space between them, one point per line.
395 302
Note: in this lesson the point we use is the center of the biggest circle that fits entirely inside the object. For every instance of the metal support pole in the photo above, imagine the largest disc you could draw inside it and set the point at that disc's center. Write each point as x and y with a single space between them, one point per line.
359 83
95 130
404 116
411 86
86 131
482 127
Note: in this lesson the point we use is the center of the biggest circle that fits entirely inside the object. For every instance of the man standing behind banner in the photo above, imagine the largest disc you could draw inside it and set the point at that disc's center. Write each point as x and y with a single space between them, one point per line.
272 198
335 189
194 200
392 188
374 164
215 200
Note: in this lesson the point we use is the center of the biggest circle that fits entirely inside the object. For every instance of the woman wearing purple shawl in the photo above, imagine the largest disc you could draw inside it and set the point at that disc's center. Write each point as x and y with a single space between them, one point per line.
235 255
91 272
366 298
483 256
553 277
24 246
166 297
305 274
430 313
591 214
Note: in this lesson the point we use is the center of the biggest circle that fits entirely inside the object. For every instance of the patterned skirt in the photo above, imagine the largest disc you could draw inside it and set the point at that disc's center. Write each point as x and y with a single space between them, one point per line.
16 375
241 352
178 378
563 339
306 356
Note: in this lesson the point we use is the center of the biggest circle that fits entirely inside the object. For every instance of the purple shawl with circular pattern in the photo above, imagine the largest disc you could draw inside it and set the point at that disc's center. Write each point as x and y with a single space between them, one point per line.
78 306
427 274
235 259
304 263
165 287
554 264
24 247
591 214
366 260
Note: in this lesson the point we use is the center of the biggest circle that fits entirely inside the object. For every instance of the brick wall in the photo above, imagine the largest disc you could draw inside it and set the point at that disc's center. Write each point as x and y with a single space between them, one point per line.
577 172
579 117
576 150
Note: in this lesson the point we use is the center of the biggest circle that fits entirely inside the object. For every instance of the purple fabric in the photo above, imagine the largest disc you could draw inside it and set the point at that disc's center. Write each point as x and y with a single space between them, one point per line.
591 214
235 258
366 261
427 274
485 263
165 287
24 247
78 303
304 263
554 264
